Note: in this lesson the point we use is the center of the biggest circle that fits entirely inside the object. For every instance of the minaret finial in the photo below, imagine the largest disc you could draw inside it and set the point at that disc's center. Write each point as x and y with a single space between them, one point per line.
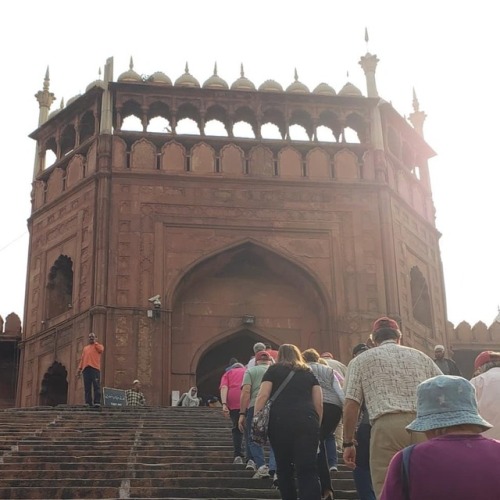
416 105
186 69
131 64
46 80
215 68
367 39
242 71
62 103
296 75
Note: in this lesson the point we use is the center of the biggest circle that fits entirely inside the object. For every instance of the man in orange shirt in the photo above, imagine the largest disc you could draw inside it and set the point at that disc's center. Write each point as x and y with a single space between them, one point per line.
90 366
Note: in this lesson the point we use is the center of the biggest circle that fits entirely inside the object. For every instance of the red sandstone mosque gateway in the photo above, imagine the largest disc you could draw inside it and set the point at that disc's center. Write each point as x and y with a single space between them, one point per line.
181 250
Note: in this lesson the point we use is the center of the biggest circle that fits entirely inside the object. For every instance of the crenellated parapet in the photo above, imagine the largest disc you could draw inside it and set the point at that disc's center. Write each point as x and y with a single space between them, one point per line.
479 335
467 341
11 327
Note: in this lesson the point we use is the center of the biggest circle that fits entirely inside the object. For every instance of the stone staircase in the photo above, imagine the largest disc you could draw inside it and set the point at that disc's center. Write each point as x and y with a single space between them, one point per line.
130 453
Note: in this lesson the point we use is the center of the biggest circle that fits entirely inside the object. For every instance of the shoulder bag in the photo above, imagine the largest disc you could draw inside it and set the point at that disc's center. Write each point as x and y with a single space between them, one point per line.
260 421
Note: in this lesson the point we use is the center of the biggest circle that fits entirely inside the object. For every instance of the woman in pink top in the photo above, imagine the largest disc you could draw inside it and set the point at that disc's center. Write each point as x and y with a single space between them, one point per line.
230 391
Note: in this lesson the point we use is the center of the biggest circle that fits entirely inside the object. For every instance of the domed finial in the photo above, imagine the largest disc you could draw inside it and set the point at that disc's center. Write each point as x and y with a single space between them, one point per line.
215 68
296 75
416 104
62 103
131 64
242 71
186 69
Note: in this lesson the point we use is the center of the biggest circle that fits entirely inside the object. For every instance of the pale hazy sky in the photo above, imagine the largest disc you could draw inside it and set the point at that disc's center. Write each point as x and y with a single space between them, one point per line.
446 50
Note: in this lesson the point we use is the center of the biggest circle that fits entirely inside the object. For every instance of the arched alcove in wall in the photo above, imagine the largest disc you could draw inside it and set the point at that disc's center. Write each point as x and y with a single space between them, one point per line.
54 389
234 298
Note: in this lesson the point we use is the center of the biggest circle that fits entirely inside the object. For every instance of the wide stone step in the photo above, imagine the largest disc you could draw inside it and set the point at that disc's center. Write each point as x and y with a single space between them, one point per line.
113 473
205 493
144 446
59 492
73 483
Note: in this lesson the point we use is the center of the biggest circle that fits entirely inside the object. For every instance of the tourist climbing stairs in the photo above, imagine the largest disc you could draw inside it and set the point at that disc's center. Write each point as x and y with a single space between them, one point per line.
130 453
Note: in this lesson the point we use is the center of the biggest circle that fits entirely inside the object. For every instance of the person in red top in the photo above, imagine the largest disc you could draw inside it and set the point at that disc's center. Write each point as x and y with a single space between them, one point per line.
90 366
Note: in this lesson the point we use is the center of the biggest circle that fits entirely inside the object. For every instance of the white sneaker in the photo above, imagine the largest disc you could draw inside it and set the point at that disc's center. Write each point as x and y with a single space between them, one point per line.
275 480
238 460
262 472
251 465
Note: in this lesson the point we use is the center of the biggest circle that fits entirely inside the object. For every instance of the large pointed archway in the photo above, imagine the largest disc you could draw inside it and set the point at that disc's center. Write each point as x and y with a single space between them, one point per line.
214 301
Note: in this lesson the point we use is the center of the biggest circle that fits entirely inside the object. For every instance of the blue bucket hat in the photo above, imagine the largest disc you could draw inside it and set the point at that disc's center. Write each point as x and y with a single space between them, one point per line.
444 401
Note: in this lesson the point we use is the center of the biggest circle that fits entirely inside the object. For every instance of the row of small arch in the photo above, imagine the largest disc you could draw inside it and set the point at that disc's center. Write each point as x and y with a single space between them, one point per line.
350 130
260 161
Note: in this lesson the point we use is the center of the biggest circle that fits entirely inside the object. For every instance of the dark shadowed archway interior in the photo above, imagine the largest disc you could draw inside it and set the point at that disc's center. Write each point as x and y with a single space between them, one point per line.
216 360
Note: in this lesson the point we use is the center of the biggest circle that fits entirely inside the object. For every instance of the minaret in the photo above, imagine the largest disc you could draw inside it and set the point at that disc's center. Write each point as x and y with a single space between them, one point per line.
369 64
45 100
106 106
417 119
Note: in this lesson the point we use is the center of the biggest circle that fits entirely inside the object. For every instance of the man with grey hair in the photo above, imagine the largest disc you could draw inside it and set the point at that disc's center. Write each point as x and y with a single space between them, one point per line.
446 365
257 347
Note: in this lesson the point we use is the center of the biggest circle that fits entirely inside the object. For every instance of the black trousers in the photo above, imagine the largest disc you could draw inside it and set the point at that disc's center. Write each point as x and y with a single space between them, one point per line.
331 418
236 433
294 439
91 383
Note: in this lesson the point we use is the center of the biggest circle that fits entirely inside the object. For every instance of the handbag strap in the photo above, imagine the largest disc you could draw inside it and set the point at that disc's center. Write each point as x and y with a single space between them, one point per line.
405 470
282 386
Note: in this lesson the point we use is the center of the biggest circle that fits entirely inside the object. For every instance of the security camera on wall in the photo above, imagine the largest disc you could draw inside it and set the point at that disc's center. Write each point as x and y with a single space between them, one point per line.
156 302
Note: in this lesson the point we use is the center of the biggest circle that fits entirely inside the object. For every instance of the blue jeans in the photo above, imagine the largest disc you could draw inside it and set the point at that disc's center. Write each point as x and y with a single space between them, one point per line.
331 450
362 477
91 383
256 450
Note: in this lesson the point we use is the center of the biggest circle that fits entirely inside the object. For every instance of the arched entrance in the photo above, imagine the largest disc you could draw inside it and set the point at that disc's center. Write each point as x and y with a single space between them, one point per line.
231 300
213 363
54 389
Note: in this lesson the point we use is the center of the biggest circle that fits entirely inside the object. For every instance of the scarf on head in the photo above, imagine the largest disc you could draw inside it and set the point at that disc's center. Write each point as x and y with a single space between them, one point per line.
188 400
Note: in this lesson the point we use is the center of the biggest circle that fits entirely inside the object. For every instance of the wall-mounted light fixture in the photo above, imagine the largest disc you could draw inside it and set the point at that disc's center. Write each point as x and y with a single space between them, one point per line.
248 319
